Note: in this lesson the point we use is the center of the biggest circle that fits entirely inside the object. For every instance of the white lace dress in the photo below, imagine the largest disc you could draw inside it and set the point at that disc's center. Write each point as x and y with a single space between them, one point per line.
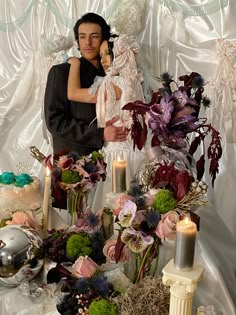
131 91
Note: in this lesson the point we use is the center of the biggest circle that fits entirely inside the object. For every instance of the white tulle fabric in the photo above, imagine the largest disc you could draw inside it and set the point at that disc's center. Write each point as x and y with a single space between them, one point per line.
173 40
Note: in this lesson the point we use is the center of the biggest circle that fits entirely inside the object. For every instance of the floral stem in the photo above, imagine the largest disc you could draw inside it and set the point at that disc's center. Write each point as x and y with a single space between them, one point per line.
143 264
156 263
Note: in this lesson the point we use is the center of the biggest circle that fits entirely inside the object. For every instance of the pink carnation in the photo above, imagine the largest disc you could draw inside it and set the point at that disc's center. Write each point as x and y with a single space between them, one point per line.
167 226
109 251
84 267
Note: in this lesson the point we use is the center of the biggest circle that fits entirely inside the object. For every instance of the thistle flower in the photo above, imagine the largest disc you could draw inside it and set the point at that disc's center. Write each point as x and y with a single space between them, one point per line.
140 201
166 77
89 222
206 101
73 155
134 189
92 220
90 167
198 82
100 285
152 218
82 285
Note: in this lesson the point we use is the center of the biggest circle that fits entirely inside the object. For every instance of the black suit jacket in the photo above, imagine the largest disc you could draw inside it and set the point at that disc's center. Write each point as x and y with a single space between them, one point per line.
71 124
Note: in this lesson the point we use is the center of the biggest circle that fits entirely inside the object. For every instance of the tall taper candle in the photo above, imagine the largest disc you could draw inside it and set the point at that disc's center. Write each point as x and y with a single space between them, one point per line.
46 198
185 244
118 176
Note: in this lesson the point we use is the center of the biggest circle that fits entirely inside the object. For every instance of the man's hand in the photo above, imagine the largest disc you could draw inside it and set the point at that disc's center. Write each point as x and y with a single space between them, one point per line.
113 133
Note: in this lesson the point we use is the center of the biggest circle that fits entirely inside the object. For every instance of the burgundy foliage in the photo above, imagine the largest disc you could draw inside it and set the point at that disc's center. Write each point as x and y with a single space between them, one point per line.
173 115
178 181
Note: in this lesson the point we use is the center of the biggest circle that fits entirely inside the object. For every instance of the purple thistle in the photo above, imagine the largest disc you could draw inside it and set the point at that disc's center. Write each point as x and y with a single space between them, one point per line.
90 167
101 286
82 285
198 82
93 220
152 218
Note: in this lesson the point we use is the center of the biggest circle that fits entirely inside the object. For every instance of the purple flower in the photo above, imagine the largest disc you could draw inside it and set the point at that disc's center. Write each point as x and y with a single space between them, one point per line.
162 112
89 222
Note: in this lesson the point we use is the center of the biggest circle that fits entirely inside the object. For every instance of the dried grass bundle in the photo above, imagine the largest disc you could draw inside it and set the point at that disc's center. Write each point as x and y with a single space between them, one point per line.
147 297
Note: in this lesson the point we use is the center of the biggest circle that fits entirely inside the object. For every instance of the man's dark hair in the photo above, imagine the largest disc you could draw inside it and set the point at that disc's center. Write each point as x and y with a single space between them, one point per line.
96 19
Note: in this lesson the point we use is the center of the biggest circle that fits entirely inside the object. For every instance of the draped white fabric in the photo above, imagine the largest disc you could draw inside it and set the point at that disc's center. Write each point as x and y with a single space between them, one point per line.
179 36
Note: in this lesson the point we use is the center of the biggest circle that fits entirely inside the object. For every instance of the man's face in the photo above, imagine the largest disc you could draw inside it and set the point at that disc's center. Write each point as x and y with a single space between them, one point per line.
89 40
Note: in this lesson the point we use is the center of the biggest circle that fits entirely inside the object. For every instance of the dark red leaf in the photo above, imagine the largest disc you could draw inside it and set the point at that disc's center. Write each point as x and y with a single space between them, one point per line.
138 106
194 145
143 136
155 141
118 248
200 166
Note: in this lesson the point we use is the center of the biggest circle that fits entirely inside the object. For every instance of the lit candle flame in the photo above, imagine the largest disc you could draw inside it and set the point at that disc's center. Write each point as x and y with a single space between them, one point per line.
186 220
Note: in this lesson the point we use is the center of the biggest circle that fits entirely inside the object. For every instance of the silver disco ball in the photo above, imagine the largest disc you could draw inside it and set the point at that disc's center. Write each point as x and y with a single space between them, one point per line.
18 248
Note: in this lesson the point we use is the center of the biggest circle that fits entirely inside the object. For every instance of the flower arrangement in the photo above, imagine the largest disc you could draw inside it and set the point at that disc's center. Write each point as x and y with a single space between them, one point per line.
173 117
146 218
81 248
76 176
170 186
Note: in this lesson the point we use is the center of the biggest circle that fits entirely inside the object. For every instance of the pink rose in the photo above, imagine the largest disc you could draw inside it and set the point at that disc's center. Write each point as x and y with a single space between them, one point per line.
22 218
167 226
109 251
84 267
120 201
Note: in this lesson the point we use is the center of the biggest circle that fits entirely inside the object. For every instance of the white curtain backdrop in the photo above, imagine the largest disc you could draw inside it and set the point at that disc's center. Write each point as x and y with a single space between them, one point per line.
178 36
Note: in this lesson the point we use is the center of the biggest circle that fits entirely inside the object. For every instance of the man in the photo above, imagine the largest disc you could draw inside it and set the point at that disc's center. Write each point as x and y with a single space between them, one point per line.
73 124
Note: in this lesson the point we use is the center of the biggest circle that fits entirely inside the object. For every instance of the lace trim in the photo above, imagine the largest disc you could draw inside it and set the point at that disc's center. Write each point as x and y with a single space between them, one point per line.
222 91
126 16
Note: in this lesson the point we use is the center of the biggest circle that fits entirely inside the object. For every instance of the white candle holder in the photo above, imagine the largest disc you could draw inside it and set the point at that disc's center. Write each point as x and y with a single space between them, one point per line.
182 285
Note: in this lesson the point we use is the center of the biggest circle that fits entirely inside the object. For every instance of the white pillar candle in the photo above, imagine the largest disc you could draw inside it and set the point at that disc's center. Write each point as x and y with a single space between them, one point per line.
118 176
46 198
185 244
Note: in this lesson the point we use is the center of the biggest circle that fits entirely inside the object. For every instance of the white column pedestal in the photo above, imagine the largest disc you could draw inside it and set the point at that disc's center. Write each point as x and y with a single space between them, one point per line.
182 285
